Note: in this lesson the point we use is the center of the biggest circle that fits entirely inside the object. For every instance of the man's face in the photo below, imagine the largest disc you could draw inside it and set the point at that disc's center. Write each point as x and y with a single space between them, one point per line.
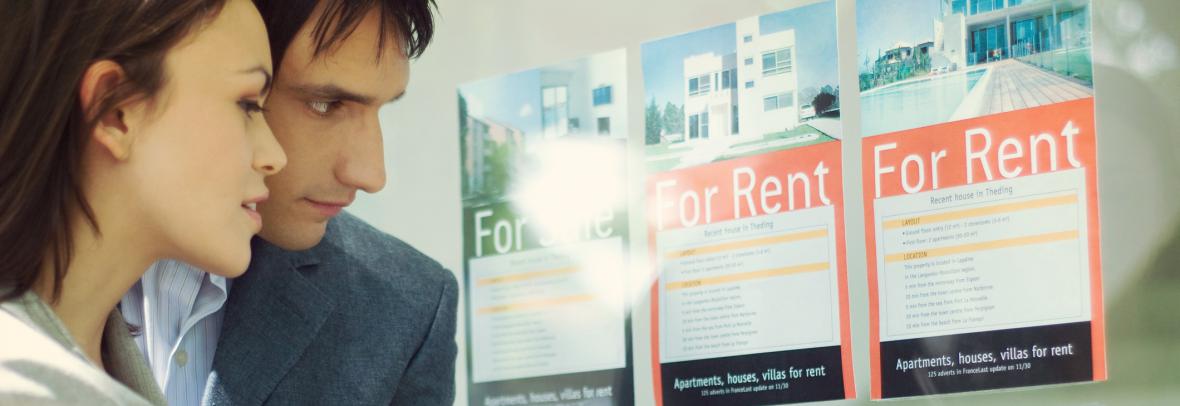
323 111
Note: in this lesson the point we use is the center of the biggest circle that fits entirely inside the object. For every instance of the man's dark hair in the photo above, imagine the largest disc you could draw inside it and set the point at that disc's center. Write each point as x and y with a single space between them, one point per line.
412 20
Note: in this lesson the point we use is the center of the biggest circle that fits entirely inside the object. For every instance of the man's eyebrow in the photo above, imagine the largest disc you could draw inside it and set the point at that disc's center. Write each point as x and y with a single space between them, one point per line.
267 78
333 92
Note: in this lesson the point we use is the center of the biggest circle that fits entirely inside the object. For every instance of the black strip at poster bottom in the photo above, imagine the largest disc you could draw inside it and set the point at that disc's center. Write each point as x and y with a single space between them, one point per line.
793 376
597 388
1042 355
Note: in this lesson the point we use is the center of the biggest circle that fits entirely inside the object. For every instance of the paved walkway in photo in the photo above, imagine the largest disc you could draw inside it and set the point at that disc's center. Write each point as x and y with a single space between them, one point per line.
1015 85
829 126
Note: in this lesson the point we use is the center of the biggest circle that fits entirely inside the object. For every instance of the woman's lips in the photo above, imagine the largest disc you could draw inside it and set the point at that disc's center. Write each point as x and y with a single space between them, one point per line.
251 208
252 211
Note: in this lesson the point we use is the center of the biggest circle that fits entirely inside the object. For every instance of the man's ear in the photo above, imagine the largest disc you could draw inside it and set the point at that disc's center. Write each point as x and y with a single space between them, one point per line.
111 131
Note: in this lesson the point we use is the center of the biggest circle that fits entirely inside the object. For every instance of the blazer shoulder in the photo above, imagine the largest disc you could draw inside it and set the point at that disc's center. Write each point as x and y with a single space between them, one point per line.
378 252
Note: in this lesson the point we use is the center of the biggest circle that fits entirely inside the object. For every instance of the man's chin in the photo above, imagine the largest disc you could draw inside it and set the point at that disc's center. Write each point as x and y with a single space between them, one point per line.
295 237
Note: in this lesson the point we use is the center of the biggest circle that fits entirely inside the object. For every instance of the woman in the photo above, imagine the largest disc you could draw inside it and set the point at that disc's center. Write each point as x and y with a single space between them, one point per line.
131 131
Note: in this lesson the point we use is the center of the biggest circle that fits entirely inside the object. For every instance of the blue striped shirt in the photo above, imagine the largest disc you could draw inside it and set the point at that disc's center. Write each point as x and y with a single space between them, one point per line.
179 310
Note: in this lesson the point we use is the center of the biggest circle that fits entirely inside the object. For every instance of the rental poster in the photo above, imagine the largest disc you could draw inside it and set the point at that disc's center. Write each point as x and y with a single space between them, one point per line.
745 212
543 156
981 201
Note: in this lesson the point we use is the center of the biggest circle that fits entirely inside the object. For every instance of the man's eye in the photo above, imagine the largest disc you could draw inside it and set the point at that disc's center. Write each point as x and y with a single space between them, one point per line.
322 107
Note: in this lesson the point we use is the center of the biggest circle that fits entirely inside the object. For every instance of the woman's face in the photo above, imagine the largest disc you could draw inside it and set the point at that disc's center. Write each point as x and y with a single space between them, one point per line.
199 159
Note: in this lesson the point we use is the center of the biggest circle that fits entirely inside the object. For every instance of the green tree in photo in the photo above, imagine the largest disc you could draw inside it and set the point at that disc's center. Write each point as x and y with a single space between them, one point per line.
652 124
823 102
827 100
673 119
463 134
501 166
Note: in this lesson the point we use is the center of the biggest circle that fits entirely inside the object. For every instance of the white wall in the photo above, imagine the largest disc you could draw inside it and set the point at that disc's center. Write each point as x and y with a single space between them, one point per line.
1137 56
602 72
951 42
716 99
770 85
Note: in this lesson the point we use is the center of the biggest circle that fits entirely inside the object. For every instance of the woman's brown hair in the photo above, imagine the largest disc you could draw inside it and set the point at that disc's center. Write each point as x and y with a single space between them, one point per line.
45 48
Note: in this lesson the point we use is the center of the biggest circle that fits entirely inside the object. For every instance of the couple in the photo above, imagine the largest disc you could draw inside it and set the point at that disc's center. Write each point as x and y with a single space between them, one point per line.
134 142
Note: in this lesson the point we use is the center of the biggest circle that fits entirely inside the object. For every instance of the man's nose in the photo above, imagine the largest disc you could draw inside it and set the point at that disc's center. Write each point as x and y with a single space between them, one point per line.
362 164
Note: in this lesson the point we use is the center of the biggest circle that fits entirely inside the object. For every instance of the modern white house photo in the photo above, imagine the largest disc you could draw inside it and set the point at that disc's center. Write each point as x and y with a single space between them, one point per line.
757 85
502 119
584 98
751 92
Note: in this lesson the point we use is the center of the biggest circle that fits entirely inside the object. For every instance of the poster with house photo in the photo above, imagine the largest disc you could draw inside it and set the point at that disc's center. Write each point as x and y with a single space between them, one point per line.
745 212
981 197
544 173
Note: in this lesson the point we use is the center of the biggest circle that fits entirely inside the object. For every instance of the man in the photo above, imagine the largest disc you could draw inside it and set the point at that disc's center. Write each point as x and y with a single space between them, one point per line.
331 311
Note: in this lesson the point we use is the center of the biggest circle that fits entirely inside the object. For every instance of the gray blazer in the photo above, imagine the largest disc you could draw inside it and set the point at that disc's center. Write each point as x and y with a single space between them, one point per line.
360 319
40 364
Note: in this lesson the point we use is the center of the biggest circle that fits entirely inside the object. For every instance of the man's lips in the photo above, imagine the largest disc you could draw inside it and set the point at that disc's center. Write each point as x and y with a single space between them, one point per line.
328 208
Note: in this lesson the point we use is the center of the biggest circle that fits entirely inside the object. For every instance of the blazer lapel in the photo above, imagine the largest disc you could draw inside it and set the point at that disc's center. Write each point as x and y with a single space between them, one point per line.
273 313
125 362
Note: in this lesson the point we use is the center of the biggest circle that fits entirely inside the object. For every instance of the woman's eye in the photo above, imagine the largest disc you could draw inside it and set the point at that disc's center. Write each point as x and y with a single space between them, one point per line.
250 106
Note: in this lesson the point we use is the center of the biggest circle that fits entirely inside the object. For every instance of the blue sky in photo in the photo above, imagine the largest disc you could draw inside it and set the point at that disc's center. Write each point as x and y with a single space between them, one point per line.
663 60
815 47
502 99
882 23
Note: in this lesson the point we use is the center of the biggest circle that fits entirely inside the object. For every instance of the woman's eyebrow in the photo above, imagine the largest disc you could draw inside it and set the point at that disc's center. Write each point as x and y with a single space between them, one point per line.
267 78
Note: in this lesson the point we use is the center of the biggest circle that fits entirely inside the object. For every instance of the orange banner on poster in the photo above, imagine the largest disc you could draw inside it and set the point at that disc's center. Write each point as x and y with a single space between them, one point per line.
1009 145
776 182
1004 146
